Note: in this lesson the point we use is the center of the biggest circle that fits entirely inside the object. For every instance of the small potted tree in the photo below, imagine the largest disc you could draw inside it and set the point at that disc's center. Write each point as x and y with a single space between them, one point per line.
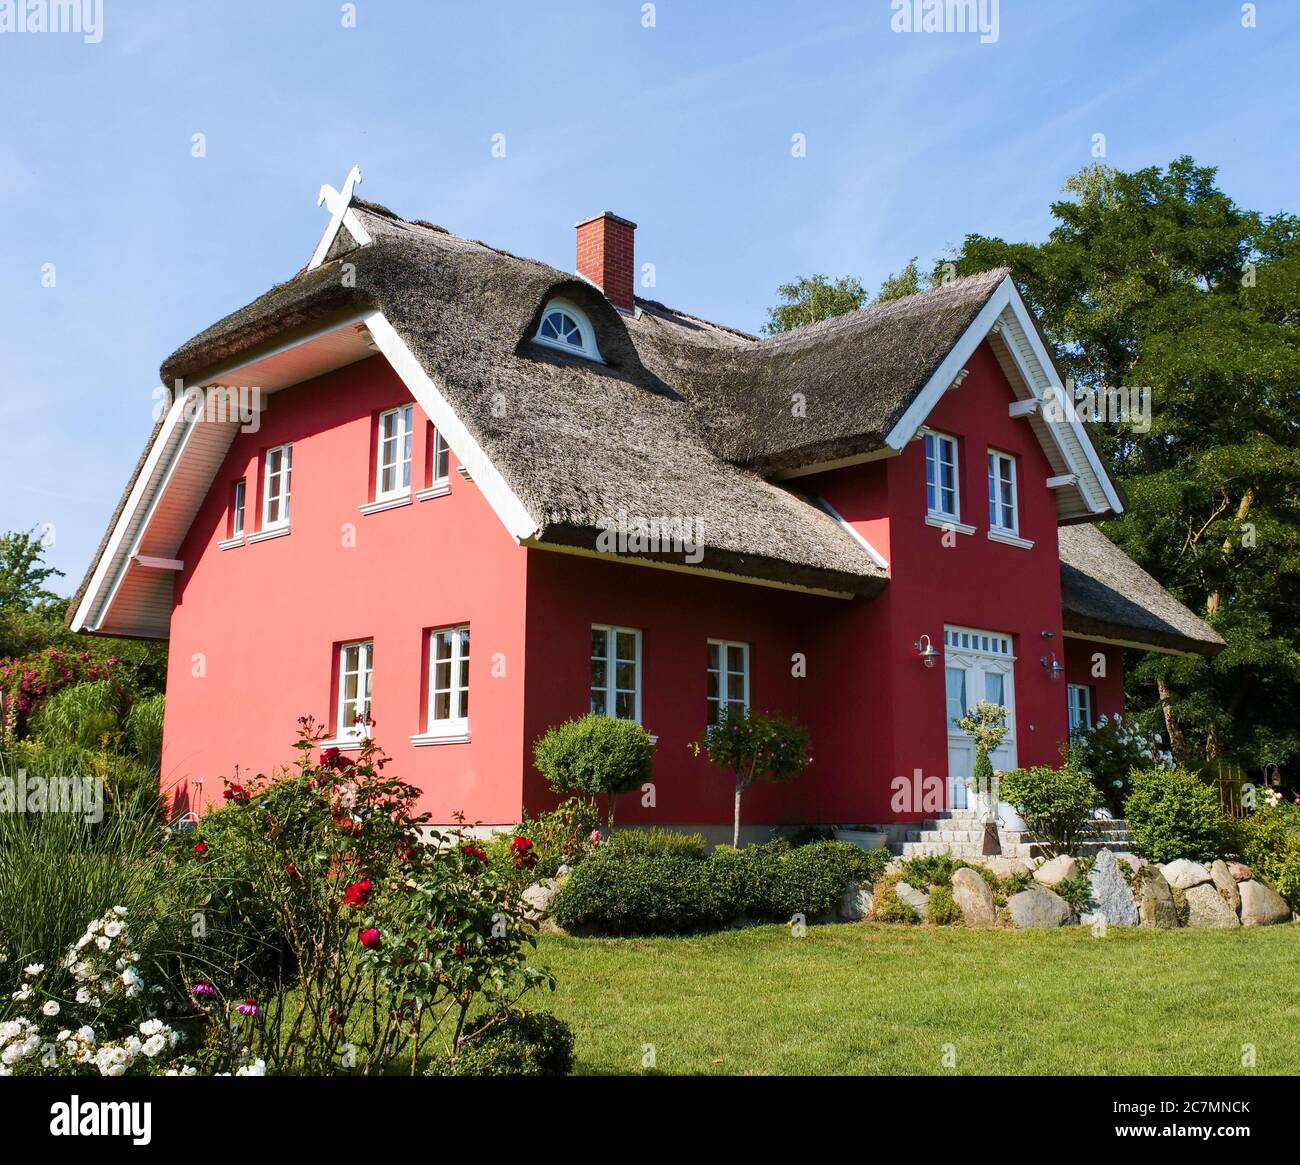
755 747
986 724
595 756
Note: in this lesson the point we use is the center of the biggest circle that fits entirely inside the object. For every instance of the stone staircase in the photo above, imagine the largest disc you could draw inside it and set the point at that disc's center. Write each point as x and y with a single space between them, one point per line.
960 832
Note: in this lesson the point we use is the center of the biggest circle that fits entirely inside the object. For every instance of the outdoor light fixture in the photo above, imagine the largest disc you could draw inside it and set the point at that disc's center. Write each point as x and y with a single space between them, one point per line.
1054 670
926 651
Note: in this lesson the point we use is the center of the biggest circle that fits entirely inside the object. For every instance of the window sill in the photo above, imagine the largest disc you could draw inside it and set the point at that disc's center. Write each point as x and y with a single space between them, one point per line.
273 532
231 543
457 734
343 743
946 523
381 504
1009 539
439 489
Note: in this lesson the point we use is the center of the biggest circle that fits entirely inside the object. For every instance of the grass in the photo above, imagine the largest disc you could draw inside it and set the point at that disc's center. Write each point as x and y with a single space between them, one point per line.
871 999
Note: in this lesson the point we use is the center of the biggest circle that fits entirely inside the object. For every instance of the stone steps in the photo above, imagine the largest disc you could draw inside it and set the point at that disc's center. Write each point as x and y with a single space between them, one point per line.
960 833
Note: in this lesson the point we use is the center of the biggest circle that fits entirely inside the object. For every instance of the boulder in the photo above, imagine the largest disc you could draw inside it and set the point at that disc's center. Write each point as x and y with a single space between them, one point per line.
1226 885
1183 875
537 898
1206 908
918 900
1059 869
1261 905
1239 872
1155 899
1002 866
1038 908
856 902
975 898
1110 899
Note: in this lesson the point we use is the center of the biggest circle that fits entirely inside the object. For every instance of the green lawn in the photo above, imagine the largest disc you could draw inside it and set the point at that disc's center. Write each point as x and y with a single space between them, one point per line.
877 999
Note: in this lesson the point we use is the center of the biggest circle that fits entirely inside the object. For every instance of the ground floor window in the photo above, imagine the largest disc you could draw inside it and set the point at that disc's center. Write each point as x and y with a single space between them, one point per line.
449 679
616 672
356 661
728 678
1080 697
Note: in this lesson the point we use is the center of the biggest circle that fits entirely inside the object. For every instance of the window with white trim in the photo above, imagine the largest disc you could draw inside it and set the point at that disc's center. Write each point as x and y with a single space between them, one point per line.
441 458
616 672
393 459
275 488
237 509
566 327
942 491
449 680
728 679
1080 698
355 663
1003 513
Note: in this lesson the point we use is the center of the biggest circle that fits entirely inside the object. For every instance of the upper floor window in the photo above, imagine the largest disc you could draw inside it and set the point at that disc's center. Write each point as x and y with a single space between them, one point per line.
275 489
942 493
237 509
355 665
393 462
728 678
565 327
441 457
616 672
1002 493
1080 698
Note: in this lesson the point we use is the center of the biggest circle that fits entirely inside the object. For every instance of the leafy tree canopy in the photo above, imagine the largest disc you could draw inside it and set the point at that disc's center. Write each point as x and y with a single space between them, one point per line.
812 298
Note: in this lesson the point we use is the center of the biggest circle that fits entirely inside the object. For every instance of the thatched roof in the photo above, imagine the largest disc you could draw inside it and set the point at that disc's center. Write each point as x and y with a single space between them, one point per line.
1105 593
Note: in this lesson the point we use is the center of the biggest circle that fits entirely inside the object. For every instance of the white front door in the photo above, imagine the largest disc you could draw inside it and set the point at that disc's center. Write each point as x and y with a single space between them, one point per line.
978 665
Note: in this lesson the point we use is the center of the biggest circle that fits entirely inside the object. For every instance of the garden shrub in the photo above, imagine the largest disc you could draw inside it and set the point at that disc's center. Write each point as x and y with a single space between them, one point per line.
1056 804
656 840
88 716
512 1043
873 865
1076 891
1269 842
931 870
1111 751
144 727
595 755
1173 814
887 907
942 908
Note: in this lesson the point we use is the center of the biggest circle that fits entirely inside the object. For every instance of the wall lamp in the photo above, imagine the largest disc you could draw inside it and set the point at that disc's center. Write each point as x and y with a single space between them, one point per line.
1054 670
927 651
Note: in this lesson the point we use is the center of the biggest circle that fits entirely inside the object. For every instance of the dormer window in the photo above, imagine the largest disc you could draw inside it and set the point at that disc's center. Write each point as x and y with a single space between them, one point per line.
565 327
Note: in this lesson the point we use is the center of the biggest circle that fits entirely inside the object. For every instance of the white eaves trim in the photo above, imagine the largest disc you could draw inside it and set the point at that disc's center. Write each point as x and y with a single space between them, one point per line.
872 552
1005 309
513 513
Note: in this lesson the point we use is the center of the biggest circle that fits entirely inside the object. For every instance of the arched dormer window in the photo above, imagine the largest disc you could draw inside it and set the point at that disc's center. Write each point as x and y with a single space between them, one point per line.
564 326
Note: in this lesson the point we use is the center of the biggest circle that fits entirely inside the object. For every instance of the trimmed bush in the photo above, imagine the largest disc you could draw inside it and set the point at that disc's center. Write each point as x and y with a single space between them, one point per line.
595 755
631 893
657 841
1269 840
1056 804
1173 814
942 908
513 1043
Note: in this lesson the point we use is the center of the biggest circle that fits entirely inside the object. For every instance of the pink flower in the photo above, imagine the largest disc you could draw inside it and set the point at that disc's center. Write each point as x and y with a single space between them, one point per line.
370 938
595 836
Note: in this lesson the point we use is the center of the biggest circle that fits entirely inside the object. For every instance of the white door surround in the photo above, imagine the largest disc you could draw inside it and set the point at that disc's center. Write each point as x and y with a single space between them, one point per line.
978 665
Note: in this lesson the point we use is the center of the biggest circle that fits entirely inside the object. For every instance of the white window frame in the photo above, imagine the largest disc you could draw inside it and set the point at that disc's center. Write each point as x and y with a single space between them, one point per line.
400 444
283 477
441 458
936 441
237 507
347 729
588 351
997 460
1079 699
454 727
717 706
611 688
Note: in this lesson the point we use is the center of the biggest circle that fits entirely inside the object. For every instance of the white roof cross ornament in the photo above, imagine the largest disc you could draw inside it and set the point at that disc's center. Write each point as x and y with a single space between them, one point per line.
341 215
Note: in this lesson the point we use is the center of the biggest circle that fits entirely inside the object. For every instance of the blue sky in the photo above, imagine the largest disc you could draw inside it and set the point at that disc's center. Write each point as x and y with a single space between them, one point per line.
913 140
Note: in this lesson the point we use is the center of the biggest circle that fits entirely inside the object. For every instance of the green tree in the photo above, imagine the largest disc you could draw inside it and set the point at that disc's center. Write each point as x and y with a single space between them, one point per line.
812 298
23 574
1157 279
909 281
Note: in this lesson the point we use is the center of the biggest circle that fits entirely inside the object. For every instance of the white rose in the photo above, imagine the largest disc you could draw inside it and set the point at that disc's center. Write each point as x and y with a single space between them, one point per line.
153 1045
34 969
103 943
51 1007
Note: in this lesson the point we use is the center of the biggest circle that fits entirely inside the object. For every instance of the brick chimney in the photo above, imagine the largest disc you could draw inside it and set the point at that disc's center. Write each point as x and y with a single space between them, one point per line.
605 256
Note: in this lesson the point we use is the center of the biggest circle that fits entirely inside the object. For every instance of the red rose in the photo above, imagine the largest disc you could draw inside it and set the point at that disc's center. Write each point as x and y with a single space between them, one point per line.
370 938
200 848
291 870
357 893
474 851
460 950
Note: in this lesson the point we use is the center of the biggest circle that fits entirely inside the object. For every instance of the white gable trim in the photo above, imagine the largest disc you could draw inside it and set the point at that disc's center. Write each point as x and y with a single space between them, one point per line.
513 513
341 215
1006 310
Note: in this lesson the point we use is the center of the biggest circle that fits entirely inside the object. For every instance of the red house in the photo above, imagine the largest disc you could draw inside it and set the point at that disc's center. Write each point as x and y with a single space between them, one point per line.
475 496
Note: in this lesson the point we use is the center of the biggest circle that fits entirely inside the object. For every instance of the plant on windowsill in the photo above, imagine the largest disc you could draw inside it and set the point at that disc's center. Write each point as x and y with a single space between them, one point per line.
755 747
595 755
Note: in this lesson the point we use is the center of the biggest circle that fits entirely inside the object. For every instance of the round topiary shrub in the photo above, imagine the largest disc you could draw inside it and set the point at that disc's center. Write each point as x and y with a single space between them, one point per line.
513 1043
1174 814
595 755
